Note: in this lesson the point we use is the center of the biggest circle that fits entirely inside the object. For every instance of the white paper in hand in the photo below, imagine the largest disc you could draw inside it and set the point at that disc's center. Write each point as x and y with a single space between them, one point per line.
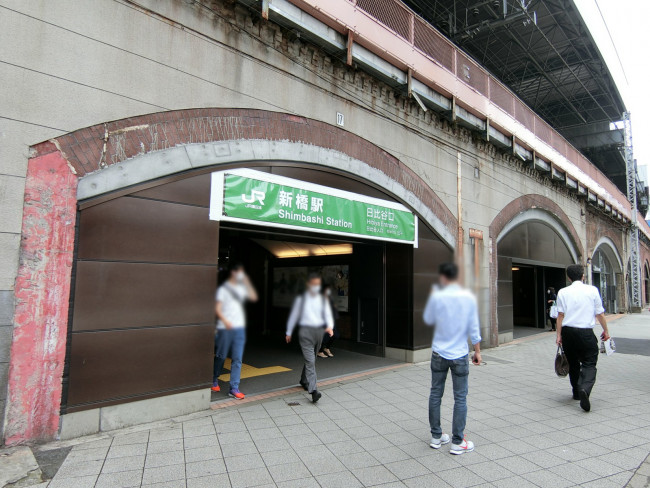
610 348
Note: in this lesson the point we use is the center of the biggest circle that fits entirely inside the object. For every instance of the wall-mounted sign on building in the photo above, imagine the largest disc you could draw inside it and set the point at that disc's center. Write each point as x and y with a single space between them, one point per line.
254 197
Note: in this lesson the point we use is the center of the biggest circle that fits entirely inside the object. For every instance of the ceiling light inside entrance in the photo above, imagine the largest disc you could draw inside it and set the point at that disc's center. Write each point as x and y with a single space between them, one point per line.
286 249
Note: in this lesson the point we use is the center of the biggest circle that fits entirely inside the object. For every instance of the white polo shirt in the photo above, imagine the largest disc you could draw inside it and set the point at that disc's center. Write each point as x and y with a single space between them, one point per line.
232 298
580 304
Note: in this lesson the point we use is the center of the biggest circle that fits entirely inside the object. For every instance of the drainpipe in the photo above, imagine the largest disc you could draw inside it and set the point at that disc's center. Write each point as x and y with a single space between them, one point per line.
459 190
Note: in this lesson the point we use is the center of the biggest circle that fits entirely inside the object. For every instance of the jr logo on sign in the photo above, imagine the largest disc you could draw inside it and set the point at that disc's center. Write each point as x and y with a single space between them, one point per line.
255 196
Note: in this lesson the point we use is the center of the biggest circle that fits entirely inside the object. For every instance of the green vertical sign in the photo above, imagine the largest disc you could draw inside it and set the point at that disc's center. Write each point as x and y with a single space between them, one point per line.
251 199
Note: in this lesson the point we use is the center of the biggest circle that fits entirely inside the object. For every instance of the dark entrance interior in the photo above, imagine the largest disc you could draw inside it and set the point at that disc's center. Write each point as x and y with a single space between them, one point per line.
530 286
278 262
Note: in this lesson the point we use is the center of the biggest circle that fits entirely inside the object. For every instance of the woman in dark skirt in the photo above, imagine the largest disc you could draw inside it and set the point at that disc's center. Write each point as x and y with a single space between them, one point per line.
550 300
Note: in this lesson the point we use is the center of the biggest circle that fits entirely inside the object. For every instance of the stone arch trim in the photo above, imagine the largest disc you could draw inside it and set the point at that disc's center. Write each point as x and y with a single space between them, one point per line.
57 167
607 241
504 217
532 201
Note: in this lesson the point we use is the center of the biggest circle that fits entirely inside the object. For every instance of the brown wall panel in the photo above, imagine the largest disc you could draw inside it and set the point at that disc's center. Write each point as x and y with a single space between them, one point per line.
111 295
136 229
120 364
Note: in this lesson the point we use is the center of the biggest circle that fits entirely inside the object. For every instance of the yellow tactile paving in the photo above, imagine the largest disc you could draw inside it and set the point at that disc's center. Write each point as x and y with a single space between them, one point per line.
248 371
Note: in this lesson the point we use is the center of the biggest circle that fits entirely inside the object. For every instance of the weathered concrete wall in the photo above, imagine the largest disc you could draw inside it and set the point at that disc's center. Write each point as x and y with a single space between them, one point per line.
42 297
67 66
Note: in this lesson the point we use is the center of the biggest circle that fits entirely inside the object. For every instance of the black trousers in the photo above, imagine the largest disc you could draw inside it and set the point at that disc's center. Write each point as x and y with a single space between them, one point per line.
581 349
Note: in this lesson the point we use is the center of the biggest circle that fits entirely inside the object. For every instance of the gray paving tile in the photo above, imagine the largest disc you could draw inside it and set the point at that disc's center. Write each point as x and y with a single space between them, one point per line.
201 441
426 481
518 465
548 479
343 479
301 483
358 460
78 469
127 451
80 482
238 449
265 445
202 454
166 434
250 477
84 455
123 479
134 438
115 465
99 443
164 474
574 473
233 438
165 446
216 481
282 456
344 447
460 477
490 471
408 468
319 467
247 461
514 482
373 475
167 484
289 471
201 469
156 460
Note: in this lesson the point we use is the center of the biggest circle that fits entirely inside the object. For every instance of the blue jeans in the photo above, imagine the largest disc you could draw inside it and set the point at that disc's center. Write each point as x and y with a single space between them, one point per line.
459 375
229 341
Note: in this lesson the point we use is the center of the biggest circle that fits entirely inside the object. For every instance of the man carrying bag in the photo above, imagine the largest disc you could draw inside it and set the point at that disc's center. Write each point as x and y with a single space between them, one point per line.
578 307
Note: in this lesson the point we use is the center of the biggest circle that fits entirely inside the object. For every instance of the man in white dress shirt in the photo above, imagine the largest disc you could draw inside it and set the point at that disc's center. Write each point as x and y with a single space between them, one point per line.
578 307
312 313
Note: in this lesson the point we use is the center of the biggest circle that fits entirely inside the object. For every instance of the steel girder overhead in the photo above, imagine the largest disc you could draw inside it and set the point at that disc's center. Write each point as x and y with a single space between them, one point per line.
541 49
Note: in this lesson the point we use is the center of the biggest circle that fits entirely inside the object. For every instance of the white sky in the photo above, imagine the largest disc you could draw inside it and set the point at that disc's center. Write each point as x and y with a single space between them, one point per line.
628 22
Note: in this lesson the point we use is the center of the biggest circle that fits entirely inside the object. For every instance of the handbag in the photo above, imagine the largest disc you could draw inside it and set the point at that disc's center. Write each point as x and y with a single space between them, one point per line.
553 311
561 362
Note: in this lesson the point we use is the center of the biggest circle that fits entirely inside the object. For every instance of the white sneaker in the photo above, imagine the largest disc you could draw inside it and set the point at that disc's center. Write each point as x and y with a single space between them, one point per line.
462 448
436 443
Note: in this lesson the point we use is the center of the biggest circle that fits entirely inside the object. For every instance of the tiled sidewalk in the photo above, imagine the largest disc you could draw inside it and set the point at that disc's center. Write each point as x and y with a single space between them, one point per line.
373 431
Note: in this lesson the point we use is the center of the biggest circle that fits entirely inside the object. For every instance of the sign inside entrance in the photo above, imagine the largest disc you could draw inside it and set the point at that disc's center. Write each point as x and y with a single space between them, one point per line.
249 196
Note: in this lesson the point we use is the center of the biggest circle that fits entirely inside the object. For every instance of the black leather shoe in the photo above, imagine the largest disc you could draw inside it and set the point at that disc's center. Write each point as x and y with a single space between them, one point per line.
315 396
585 404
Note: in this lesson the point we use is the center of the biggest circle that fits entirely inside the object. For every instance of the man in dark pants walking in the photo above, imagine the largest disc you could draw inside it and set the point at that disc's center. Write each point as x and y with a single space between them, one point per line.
579 306
312 313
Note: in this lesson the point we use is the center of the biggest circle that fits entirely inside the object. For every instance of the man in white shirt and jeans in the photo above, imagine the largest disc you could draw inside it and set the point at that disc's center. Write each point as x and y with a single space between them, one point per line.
454 314
230 336
578 307
311 311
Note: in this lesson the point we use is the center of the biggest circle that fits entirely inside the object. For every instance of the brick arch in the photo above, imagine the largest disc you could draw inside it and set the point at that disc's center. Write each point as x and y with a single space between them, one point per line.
128 138
531 201
43 283
509 212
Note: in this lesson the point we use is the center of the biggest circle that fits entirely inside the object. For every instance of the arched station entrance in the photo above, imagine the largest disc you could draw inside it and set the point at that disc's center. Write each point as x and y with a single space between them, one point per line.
131 243
533 250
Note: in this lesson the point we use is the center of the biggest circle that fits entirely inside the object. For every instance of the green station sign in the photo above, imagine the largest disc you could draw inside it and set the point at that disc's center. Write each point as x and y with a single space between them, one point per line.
256 197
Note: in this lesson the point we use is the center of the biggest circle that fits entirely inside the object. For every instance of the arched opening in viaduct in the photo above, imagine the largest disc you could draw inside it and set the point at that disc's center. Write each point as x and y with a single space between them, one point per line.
133 247
533 241
607 274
